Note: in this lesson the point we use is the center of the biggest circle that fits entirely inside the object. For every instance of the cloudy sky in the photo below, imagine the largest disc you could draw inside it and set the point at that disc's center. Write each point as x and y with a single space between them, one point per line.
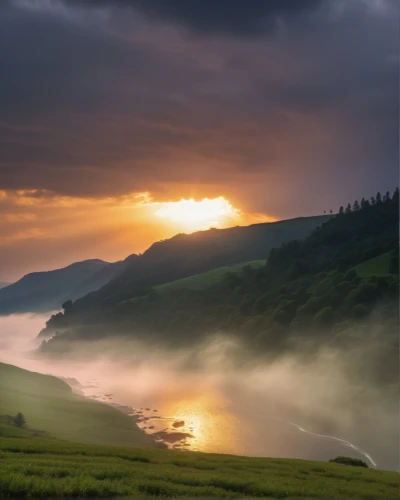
110 109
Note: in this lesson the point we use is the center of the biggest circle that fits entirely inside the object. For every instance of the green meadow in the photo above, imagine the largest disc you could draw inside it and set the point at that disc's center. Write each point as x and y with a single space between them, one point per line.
49 405
378 266
43 468
209 278
52 456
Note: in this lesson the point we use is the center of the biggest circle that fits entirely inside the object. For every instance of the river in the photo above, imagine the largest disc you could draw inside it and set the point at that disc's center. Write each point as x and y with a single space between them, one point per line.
284 409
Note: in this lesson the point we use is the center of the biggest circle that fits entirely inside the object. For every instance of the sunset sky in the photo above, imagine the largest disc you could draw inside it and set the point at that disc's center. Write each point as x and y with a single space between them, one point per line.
112 111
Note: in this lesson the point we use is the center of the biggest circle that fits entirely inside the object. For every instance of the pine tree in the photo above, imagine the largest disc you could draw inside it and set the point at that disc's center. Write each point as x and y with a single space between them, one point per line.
386 198
356 206
19 420
348 209
341 211
362 203
373 200
395 196
378 197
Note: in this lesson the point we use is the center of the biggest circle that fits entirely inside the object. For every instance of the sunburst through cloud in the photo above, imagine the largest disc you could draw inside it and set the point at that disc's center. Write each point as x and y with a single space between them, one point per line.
194 215
199 248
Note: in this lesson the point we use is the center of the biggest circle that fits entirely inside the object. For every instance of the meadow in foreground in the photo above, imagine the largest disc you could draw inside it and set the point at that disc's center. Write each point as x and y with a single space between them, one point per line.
33 467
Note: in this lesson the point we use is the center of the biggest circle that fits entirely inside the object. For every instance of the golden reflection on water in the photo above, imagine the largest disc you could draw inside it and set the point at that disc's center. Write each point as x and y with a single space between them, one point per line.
208 421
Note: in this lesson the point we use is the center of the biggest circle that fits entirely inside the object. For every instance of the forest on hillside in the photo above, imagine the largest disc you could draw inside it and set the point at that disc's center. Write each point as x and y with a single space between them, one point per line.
311 290
184 255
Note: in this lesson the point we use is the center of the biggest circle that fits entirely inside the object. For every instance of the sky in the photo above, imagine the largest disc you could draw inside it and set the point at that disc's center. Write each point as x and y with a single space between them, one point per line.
112 111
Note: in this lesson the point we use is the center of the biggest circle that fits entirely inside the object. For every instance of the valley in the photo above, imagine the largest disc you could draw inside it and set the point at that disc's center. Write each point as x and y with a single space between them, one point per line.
234 360
199 249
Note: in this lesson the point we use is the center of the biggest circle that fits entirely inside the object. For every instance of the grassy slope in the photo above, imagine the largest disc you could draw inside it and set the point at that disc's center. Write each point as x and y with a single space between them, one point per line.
378 266
188 254
51 468
207 279
8 430
49 404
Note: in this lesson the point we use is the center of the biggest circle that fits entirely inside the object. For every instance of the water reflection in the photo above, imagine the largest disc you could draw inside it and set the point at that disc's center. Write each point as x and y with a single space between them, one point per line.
224 410
201 422
207 419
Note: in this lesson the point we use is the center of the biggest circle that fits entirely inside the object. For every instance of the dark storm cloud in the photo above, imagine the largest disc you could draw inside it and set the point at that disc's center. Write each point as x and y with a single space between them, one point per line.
99 101
235 17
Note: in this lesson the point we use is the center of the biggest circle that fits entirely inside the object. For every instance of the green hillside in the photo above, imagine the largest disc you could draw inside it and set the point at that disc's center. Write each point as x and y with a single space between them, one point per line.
9 429
188 254
48 404
378 266
38 468
179 257
307 292
207 279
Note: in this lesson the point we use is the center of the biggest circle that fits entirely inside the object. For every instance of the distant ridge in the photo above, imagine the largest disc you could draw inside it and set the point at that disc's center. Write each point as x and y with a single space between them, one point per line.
46 291
96 282
186 254
319 281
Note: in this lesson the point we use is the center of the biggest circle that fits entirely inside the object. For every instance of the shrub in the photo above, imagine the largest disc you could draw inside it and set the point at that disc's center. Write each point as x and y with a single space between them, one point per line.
350 275
311 306
359 311
343 287
324 316
19 420
349 461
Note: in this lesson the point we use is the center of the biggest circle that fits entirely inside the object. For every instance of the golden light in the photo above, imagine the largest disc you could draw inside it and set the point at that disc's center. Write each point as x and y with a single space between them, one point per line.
208 421
194 215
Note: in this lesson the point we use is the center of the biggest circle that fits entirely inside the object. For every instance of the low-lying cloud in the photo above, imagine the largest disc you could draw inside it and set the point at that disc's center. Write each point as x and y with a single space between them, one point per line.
220 389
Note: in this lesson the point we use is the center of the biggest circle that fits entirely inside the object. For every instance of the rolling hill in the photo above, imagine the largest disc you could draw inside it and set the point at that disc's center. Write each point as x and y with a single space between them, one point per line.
188 254
46 291
308 289
49 405
98 283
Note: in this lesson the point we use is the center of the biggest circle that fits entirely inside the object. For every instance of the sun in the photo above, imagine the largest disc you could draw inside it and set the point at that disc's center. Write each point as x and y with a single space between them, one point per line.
195 215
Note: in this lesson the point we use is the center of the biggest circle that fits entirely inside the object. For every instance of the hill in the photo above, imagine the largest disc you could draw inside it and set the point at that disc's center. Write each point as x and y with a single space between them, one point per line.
207 279
46 291
49 405
9 429
4 283
185 255
307 293
53 469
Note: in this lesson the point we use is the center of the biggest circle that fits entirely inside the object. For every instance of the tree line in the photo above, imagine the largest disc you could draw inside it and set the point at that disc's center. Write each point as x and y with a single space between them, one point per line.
365 203
308 289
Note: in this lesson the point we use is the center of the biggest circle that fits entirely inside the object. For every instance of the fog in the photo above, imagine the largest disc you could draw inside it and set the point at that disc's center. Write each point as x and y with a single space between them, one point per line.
228 401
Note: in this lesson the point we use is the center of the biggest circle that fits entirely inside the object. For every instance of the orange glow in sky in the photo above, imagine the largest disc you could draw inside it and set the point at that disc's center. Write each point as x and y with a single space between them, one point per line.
64 229
194 215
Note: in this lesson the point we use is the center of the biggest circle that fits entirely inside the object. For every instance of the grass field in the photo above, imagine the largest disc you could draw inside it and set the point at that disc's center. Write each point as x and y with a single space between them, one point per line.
205 280
38 467
49 404
44 467
7 429
378 266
